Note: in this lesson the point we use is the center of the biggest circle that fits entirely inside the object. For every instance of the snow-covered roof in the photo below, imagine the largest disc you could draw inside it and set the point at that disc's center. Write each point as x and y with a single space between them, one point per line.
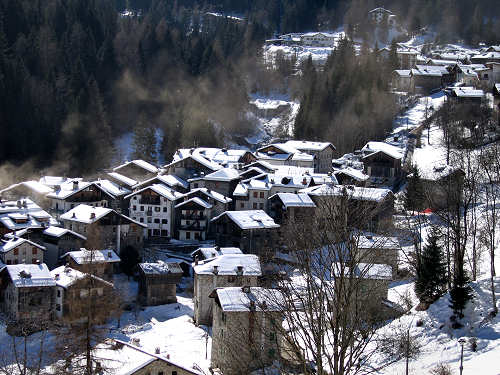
466 92
429 70
309 145
212 252
35 186
84 213
123 179
57 180
70 188
224 174
210 193
84 256
235 299
166 179
353 192
65 276
160 189
250 219
30 275
58 232
403 72
393 151
497 87
356 174
32 216
369 271
378 242
294 200
7 246
161 267
262 163
196 200
228 264
123 358
487 56
380 9
141 164
111 187
196 156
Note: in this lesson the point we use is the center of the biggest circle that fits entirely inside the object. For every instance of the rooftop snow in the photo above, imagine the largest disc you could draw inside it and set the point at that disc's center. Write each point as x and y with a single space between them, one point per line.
308 145
124 179
65 276
167 179
294 200
30 275
378 242
84 256
111 187
353 192
224 174
235 299
160 189
15 242
58 232
140 163
161 267
197 201
85 214
356 174
369 271
35 186
228 264
212 252
464 92
386 148
250 219
210 193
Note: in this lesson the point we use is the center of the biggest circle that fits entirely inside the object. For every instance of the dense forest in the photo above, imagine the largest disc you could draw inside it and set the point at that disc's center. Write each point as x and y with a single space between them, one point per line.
74 74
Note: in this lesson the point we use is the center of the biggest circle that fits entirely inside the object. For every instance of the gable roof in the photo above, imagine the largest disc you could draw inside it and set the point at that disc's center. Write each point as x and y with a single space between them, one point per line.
30 275
210 193
35 186
195 200
356 174
67 189
11 244
228 264
83 213
294 200
59 232
160 189
161 267
212 252
139 163
353 192
224 174
167 179
65 276
373 147
235 299
250 219
130 182
309 145
84 256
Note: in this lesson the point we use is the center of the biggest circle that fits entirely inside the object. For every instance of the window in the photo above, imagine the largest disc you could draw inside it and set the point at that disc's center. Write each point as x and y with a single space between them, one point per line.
261 206
134 208
254 206
157 209
174 372
135 197
160 372
255 194
231 279
16 251
262 194
188 235
196 186
149 220
141 219
58 293
164 233
58 307
242 205
157 221
164 209
156 232
9 262
142 208
164 221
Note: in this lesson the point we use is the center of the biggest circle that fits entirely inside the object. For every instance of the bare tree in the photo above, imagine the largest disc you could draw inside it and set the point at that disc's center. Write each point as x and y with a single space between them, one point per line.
334 297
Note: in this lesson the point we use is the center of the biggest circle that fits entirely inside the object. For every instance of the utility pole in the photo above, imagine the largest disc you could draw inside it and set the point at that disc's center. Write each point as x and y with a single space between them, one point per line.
462 342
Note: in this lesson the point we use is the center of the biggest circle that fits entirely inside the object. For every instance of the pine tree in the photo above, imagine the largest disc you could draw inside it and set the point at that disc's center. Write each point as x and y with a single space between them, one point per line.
414 196
460 294
431 272
144 144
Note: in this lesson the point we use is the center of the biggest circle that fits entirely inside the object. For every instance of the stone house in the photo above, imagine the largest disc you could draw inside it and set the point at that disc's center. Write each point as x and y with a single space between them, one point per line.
221 271
379 15
401 80
158 282
73 286
425 78
204 253
281 154
58 241
173 182
34 189
253 231
246 329
407 59
104 227
323 153
154 206
379 250
223 181
138 170
134 358
23 214
190 165
20 250
100 263
382 162
351 176
290 207
318 39
27 293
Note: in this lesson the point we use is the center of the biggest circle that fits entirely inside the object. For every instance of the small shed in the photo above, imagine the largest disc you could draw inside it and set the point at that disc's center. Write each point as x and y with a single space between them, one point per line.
158 281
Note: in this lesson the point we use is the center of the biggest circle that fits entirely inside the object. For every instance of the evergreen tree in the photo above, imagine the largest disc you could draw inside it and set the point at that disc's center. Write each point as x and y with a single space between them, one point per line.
431 270
414 196
144 144
460 293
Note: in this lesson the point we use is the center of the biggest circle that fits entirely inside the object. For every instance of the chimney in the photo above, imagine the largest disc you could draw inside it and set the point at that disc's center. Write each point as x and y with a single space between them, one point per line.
304 181
157 350
73 216
216 270
252 305
110 254
19 205
239 270
264 305
92 215
245 289
168 356
75 185
57 276
196 260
